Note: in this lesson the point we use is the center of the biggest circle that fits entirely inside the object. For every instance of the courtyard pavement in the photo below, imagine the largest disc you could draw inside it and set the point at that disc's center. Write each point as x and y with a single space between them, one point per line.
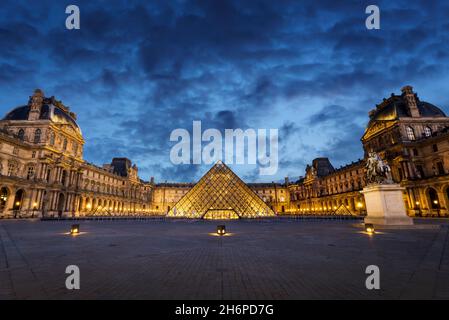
280 259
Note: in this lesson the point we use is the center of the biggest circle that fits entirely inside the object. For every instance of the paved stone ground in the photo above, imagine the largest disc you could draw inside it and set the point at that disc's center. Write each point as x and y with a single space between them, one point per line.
287 259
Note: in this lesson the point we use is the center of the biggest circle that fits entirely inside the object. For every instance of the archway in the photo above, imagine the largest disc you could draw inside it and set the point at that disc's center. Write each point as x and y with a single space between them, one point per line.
433 198
18 200
61 204
4 194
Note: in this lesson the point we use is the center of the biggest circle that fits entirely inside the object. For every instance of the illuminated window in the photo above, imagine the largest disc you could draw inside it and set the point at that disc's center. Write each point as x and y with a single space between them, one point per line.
427 131
3 198
410 133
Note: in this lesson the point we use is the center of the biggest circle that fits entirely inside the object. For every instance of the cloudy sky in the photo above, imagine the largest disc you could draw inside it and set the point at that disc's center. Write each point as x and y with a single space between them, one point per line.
136 70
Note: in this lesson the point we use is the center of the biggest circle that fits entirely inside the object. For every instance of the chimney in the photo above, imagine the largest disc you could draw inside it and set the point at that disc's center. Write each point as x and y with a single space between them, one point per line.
152 180
286 181
35 104
410 98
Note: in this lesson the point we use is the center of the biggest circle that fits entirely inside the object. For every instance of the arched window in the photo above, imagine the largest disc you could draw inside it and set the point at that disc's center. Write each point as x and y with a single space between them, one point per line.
433 197
427 132
37 136
410 133
18 200
21 134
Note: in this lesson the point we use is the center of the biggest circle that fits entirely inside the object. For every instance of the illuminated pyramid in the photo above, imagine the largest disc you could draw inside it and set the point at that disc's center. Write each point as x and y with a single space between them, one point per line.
342 210
220 194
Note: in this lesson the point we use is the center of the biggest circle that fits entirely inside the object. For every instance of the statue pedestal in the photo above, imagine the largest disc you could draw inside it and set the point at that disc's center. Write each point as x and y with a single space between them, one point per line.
385 205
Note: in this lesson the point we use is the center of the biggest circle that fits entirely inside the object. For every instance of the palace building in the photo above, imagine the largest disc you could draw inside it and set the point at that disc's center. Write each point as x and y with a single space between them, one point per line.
43 173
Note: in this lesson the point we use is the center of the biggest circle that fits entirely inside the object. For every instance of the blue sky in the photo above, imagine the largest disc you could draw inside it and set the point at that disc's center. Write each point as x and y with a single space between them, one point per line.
136 70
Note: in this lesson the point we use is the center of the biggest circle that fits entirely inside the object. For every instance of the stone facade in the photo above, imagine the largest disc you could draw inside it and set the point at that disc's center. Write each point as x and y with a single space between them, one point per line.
412 136
43 173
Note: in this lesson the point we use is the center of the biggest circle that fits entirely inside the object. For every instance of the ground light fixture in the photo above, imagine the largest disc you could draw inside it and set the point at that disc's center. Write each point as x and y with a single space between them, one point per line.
75 229
369 228
221 230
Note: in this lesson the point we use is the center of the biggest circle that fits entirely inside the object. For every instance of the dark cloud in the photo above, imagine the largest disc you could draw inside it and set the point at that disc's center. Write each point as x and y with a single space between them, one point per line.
138 70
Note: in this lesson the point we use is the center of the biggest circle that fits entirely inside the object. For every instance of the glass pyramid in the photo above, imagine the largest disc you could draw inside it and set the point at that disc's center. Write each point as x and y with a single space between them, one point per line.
220 194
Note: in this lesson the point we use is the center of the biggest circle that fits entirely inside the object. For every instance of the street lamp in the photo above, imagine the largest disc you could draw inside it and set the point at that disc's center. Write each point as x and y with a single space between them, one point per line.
75 229
221 230
369 228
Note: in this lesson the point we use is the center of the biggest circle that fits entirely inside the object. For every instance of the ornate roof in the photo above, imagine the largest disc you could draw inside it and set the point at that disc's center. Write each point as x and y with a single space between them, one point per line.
396 107
51 109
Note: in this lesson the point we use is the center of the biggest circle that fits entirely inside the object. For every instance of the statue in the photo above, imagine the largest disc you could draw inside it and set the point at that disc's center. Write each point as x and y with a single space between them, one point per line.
377 171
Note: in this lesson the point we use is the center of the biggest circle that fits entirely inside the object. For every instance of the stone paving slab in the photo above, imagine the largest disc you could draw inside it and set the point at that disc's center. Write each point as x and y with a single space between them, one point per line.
288 259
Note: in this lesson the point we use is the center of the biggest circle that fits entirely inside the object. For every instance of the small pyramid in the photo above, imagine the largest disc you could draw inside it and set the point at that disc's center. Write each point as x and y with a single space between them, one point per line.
220 194
342 211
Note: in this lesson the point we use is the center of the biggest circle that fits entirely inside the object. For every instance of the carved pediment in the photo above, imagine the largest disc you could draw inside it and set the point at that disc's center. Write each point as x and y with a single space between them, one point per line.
376 127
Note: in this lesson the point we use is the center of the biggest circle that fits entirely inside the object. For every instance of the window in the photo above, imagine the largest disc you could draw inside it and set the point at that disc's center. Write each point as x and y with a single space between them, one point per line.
427 132
11 168
3 198
75 148
37 136
64 145
15 151
21 134
420 170
30 172
400 173
33 155
435 148
440 168
410 133
52 138
415 152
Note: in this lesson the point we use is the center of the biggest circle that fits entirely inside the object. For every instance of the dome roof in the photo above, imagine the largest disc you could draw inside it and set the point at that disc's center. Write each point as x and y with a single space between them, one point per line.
396 107
49 111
